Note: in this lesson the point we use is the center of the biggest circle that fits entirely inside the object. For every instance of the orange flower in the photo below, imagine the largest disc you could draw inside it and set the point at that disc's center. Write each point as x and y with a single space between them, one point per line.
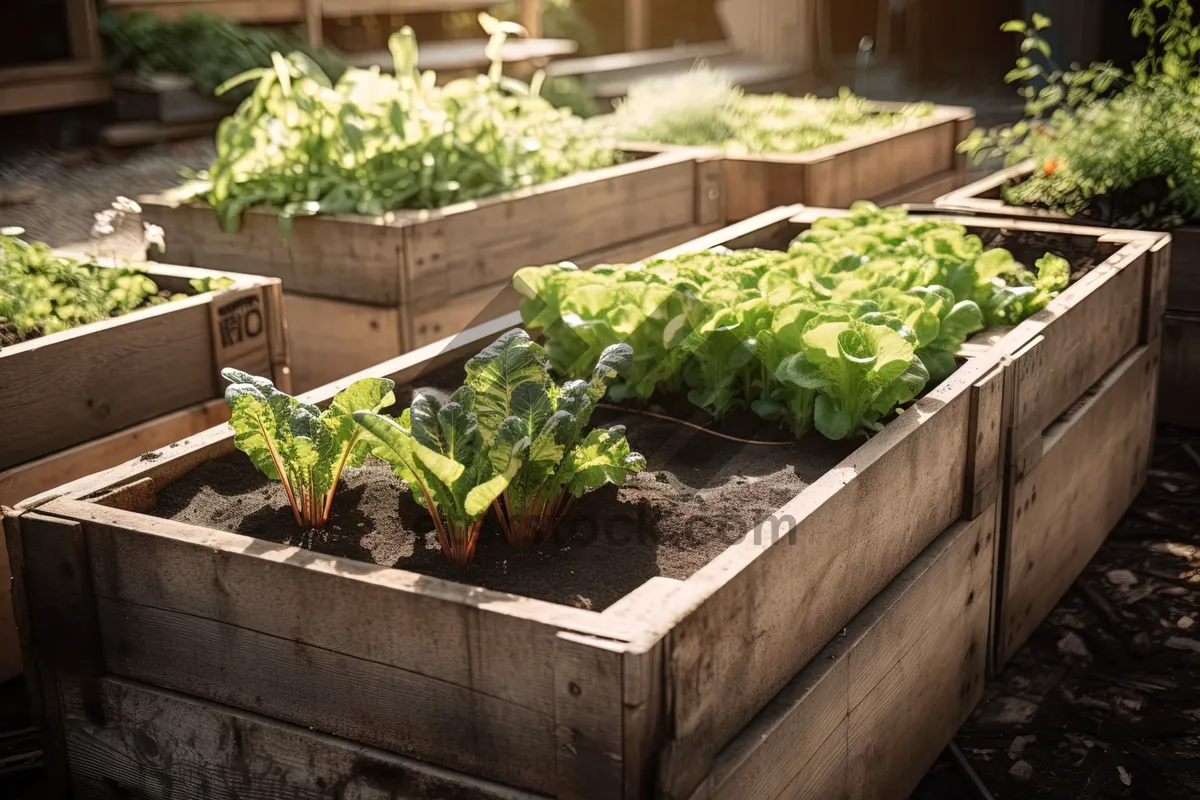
1051 166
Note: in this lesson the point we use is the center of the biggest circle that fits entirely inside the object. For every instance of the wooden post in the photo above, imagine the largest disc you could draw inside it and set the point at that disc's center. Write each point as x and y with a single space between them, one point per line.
531 17
637 25
313 21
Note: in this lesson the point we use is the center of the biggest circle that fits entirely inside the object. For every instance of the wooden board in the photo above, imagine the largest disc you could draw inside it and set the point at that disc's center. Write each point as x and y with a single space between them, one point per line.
328 339
1179 381
906 163
912 661
1093 463
641 699
71 387
160 745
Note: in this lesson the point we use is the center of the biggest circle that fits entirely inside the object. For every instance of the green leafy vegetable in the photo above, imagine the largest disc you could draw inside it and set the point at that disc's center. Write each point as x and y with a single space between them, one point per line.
297 443
705 108
42 292
439 450
722 325
517 402
1108 144
373 143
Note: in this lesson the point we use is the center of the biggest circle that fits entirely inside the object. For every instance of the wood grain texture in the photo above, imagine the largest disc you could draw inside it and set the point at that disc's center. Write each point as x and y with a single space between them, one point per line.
328 338
160 745
913 661
1086 330
1093 464
68 388
1179 383
477 244
718 681
427 717
987 440
11 664
35 477
74 386
588 717
336 256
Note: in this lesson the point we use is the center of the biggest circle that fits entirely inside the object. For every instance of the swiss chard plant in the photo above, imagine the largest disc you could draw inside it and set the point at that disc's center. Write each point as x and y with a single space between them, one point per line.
298 444
439 450
719 326
521 409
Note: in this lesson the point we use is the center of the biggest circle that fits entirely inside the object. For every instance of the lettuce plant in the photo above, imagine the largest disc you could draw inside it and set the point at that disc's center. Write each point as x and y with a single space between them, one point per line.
719 325
860 372
521 409
440 452
298 444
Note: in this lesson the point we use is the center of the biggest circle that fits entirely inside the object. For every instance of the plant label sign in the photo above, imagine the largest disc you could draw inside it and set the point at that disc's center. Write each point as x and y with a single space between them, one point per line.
239 331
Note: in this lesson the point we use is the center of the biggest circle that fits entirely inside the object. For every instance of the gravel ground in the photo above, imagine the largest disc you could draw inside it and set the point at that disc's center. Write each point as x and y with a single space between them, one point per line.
53 194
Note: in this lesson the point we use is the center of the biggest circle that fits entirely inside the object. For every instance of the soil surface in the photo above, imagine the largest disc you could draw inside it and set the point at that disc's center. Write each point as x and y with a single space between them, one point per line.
698 495
1103 701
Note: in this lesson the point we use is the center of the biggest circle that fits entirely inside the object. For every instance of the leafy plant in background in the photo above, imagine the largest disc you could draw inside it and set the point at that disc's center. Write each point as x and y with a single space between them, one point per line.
838 331
373 143
298 444
42 292
206 48
1107 144
516 401
704 107
439 450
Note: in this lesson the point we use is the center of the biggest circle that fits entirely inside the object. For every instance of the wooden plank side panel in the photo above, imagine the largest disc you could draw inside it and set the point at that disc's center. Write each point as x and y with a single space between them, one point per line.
346 258
912 661
1093 463
588 717
425 717
1179 383
454 251
328 339
882 166
75 388
1184 292
159 745
1083 338
754 186
744 640
27 480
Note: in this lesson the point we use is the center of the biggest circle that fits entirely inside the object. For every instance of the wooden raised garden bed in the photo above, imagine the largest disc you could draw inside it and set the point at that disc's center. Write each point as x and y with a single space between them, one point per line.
360 290
727 678
913 162
86 399
1180 375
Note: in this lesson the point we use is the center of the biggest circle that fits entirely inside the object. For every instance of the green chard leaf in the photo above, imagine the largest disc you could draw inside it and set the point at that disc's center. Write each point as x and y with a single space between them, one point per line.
297 443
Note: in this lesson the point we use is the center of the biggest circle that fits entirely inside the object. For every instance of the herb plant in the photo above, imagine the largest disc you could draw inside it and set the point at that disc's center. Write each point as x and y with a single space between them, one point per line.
704 108
298 444
516 401
847 325
42 292
373 143
1108 144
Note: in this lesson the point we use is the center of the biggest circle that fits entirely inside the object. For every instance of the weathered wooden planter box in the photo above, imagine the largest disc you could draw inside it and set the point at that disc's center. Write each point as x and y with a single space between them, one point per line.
913 162
1179 377
92 397
173 655
360 290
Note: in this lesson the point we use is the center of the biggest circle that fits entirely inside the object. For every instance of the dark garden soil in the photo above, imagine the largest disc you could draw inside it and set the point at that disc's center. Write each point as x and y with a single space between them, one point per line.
699 495
1104 699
